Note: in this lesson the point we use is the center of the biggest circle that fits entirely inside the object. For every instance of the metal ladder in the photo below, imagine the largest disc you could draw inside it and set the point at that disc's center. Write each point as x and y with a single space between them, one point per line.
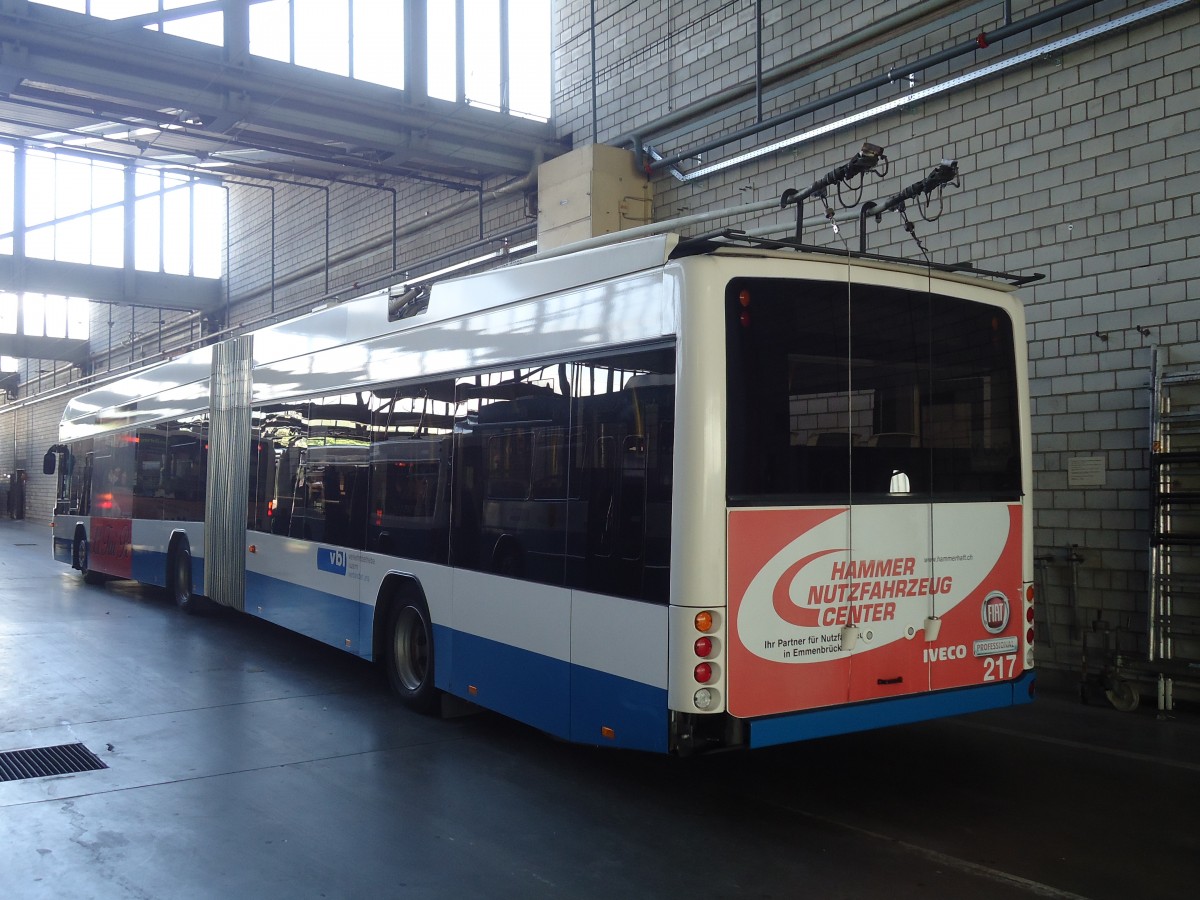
1173 611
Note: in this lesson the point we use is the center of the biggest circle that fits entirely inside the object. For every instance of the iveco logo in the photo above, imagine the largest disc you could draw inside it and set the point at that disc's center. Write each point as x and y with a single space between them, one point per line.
995 612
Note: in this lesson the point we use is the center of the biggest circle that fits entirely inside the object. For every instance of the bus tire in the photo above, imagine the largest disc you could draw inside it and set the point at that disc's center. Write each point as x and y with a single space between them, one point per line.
90 576
181 580
408 654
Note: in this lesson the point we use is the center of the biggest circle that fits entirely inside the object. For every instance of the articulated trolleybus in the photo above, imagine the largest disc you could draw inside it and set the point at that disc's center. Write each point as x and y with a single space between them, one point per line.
660 495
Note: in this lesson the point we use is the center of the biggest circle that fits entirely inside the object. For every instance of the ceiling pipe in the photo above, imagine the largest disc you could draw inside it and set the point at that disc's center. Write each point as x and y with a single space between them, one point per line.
782 73
921 94
977 43
864 57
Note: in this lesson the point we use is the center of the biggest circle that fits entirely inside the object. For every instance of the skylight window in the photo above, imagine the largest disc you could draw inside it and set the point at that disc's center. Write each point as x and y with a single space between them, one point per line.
507 55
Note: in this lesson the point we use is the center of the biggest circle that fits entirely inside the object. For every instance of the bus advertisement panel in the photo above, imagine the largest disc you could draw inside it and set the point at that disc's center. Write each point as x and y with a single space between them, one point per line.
842 605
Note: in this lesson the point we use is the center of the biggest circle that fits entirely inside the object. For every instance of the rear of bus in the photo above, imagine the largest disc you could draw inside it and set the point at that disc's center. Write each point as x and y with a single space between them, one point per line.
856 436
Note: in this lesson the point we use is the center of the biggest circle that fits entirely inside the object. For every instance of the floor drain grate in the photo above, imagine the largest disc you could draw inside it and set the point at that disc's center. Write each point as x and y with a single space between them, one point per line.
40 762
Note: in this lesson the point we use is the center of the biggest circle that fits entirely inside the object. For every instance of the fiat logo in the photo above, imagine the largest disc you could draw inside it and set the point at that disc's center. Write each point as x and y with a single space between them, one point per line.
995 612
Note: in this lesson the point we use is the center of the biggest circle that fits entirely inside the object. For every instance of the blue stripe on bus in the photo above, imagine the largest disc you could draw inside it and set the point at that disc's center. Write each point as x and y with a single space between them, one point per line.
636 712
325 617
568 701
521 684
150 567
895 711
571 702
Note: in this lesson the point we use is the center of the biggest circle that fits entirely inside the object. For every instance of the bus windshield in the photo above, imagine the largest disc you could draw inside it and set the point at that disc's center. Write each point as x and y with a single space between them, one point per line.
844 393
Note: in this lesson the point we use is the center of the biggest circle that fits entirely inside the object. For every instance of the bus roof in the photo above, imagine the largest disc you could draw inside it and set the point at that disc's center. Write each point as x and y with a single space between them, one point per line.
180 387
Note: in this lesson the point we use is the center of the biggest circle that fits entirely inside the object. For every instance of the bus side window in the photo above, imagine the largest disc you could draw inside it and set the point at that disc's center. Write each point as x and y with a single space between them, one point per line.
620 529
508 466
501 524
549 464
287 468
342 506
262 482
150 447
80 488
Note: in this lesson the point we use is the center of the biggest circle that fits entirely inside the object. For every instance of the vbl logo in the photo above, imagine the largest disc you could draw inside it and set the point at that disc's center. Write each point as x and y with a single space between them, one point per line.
331 560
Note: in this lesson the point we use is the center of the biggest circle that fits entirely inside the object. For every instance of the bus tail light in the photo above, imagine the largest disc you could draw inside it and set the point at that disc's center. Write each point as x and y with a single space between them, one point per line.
701 674
744 312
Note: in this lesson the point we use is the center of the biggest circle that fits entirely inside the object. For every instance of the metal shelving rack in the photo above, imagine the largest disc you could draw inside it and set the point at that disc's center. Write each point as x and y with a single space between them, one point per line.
1173 626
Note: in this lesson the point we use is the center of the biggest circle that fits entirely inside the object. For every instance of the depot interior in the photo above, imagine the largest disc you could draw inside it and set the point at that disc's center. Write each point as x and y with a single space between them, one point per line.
176 173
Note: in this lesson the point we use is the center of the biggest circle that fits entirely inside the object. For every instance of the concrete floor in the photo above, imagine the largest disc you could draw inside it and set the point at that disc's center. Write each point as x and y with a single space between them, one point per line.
248 762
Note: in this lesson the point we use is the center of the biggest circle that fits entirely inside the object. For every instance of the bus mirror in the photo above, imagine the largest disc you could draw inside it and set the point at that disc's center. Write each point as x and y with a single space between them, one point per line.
48 462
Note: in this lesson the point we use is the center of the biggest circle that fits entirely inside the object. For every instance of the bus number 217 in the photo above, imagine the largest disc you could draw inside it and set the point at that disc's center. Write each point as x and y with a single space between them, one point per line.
998 668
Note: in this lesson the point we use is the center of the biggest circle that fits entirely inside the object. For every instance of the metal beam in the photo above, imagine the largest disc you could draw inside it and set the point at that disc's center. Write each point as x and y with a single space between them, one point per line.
103 284
24 346
67 55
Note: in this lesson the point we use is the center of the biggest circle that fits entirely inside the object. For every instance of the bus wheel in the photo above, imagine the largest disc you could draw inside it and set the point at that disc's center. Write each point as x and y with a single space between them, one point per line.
410 655
181 580
81 556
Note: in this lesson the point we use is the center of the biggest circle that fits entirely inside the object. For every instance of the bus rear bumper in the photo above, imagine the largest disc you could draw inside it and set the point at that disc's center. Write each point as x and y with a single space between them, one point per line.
818 723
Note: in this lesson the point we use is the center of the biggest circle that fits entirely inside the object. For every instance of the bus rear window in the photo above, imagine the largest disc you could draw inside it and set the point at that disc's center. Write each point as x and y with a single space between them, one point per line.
875 394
